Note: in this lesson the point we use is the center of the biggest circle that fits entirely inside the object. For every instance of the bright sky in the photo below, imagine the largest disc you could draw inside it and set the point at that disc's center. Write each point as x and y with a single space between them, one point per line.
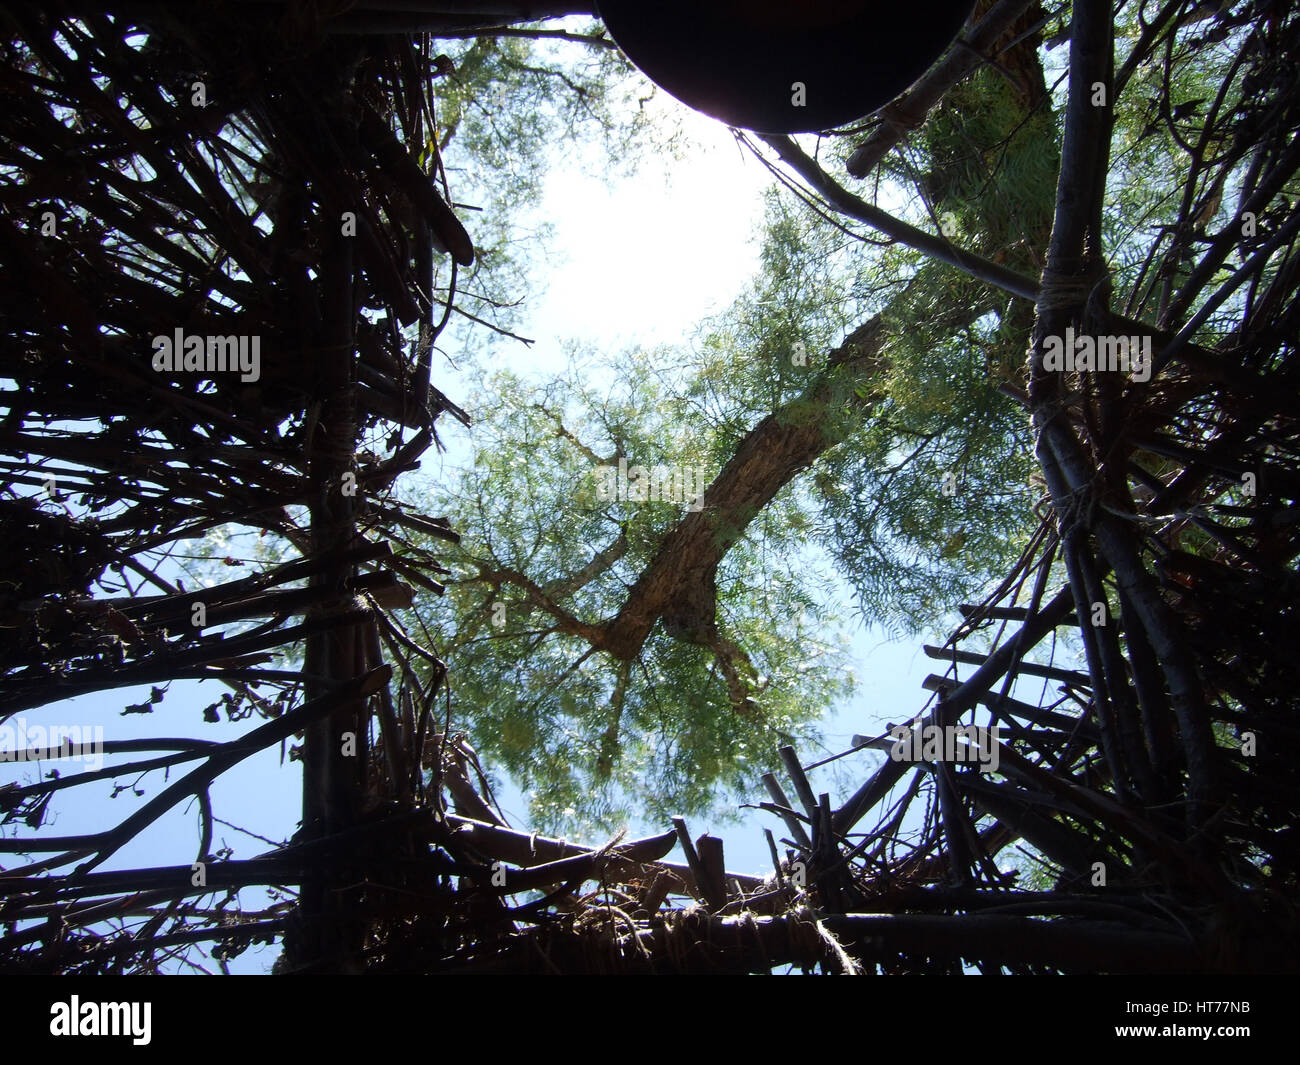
646 259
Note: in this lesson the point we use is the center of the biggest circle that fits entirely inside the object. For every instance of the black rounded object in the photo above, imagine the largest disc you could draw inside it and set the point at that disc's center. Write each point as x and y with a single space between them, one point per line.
741 60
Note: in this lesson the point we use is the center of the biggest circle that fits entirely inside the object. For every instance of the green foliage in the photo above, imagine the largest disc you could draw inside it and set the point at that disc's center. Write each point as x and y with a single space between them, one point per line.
877 502
910 550
990 166
922 496
593 738
813 283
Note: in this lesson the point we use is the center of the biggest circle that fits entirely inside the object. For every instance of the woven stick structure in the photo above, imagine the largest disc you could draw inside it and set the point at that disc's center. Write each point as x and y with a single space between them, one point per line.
1159 783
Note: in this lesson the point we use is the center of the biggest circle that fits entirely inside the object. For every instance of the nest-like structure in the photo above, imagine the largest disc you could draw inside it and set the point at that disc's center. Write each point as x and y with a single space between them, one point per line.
294 204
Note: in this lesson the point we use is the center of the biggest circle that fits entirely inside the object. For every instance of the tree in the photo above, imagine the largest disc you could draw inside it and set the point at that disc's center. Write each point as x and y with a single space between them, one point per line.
625 657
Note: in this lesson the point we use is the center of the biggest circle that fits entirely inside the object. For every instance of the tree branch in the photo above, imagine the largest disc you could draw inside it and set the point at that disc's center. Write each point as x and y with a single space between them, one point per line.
937 248
908 110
